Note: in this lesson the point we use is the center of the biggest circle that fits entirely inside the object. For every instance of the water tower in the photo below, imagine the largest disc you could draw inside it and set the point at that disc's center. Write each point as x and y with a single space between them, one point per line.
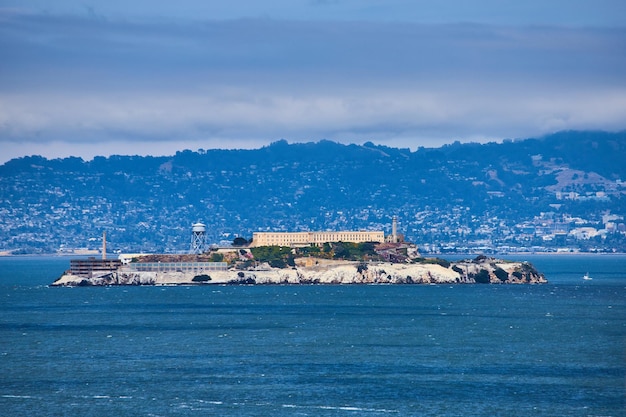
198 238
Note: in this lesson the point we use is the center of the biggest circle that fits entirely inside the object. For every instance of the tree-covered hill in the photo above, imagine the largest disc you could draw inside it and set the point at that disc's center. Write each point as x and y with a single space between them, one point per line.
514 193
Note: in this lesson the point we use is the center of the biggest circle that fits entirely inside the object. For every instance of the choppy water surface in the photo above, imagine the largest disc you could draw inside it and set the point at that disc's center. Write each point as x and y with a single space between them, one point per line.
439 350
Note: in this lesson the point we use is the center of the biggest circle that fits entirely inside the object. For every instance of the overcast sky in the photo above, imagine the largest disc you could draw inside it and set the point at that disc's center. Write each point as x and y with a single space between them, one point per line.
143 77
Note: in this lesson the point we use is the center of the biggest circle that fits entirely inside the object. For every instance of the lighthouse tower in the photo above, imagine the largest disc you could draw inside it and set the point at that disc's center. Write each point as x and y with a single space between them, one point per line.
198 238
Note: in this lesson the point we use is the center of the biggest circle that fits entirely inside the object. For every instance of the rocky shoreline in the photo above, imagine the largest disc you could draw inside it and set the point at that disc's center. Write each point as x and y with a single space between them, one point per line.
322 271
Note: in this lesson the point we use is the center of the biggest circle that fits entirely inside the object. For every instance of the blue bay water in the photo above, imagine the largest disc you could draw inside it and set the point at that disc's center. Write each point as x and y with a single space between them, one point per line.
434 350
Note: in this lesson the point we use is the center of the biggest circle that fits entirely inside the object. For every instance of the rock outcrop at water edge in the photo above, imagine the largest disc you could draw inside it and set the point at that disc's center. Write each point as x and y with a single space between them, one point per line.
322 271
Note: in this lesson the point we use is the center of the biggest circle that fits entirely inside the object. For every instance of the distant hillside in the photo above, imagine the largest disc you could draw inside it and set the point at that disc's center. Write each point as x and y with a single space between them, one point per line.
534 192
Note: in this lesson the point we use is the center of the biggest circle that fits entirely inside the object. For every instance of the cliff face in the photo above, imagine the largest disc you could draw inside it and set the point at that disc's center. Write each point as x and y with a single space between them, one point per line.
318 271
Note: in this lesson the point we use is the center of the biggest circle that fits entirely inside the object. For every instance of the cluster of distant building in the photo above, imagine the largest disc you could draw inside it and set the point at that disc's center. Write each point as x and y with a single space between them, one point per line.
91 266
294 239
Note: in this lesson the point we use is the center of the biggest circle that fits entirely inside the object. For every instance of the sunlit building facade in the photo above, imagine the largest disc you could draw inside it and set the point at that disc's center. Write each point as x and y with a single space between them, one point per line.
314 238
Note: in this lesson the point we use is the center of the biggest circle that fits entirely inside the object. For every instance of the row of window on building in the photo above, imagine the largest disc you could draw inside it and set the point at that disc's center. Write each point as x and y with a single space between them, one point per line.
314 238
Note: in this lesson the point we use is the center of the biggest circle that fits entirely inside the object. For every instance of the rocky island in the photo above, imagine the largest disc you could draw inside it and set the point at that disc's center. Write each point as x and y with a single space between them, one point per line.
340 263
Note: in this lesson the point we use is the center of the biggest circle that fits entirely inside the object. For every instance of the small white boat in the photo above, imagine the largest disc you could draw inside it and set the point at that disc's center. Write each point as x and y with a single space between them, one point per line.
586 277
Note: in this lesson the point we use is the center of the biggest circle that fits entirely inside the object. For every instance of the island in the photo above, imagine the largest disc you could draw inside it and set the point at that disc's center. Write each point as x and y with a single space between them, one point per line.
331 263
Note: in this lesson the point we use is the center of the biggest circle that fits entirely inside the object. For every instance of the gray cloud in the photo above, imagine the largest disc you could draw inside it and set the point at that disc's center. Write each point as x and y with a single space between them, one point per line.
506 12
93 81
40 47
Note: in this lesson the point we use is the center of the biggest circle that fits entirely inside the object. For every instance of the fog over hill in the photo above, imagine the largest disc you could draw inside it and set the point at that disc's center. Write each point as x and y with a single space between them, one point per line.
560 191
